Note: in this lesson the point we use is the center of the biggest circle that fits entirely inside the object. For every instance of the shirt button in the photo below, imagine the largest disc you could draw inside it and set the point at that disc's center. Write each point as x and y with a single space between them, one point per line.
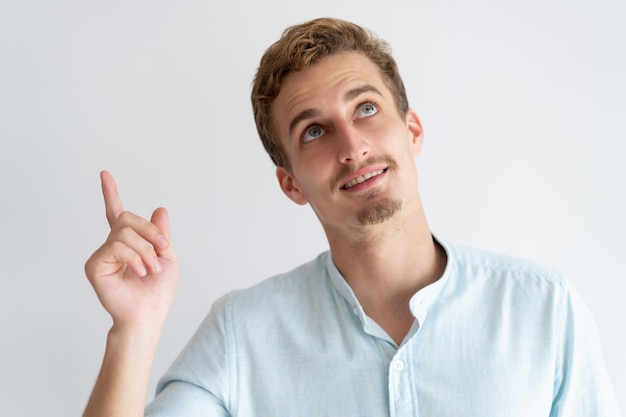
398 366
355 310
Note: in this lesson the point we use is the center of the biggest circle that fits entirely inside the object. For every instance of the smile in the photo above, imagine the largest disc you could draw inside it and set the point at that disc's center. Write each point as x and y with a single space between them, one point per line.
362 178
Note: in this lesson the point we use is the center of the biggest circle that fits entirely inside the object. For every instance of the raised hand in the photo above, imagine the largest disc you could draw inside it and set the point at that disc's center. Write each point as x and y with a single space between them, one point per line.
135 271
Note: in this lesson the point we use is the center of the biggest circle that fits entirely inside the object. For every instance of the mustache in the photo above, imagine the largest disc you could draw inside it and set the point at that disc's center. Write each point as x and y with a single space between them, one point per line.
348 169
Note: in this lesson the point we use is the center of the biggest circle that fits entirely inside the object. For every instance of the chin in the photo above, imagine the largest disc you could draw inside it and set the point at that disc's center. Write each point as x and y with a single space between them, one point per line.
378 212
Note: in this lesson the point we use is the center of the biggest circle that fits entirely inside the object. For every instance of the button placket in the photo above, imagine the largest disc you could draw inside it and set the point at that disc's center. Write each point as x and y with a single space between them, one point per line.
400 386
398 365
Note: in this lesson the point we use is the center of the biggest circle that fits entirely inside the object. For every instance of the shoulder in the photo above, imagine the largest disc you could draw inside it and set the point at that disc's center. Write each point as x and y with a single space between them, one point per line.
254 310
479 262
287 288
496 276
503 293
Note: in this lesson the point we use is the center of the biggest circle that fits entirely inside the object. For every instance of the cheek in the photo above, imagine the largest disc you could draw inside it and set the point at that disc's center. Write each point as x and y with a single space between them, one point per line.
315 163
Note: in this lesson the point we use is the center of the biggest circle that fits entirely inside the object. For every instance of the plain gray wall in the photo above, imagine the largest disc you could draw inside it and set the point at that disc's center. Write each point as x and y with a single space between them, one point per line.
523 104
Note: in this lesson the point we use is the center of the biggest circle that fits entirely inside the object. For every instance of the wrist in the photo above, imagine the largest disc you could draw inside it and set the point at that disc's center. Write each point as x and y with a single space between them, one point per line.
143 338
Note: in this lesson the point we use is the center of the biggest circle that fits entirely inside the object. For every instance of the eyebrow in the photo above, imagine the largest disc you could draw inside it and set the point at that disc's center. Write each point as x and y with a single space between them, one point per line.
349 96
355 92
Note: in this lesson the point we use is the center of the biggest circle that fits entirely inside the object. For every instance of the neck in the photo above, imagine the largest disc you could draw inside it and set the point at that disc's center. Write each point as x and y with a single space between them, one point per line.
386 264
397 255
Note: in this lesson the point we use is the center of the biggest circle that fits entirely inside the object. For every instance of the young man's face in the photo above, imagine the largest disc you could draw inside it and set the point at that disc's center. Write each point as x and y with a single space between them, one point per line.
350 151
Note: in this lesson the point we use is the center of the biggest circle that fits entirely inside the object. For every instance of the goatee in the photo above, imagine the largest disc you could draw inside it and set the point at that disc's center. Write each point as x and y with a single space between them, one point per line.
378 212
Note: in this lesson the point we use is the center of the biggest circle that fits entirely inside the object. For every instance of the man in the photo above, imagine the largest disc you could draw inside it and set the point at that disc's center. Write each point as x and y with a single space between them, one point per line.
390 321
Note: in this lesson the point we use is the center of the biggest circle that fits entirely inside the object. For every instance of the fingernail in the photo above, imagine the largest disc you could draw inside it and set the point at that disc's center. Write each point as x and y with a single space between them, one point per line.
162 241
142 271
156 266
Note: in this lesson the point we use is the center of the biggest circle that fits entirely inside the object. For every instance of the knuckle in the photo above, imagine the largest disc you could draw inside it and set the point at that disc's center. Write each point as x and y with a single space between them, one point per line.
126 232
125 217
117 246
147 251
87 267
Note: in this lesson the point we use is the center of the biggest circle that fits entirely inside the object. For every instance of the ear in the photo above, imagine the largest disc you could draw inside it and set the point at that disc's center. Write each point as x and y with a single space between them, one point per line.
289 186
415 131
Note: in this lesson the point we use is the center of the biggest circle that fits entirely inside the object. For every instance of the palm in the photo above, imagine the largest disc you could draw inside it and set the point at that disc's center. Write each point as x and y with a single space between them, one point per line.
131 299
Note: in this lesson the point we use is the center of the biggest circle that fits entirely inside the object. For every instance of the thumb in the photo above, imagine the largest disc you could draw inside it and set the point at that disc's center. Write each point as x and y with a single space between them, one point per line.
160 218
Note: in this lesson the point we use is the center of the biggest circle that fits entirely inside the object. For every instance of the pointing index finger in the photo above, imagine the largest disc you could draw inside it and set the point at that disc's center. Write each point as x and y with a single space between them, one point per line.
112 200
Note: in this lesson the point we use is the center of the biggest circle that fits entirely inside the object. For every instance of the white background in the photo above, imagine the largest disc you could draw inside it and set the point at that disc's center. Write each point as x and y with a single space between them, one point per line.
522 102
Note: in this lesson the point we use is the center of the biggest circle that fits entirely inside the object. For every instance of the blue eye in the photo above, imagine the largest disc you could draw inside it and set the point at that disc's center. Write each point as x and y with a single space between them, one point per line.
367 109
312 133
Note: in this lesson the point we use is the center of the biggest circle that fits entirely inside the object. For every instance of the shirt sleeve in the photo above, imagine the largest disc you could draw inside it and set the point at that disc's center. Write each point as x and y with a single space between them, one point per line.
582 384
198 382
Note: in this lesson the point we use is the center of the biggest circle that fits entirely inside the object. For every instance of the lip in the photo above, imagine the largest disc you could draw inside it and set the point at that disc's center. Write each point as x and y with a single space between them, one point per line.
361 173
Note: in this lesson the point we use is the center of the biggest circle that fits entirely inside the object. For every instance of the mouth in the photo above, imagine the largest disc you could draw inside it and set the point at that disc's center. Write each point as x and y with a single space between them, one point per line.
362 178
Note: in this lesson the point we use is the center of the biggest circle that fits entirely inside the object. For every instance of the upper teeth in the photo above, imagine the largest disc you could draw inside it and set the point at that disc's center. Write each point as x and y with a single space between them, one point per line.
362 178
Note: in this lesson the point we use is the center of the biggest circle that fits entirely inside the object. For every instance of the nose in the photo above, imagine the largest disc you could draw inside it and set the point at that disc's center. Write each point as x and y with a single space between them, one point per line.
352 147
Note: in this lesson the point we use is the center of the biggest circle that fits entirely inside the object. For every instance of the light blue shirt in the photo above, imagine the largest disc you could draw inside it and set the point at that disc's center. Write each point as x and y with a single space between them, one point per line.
494 336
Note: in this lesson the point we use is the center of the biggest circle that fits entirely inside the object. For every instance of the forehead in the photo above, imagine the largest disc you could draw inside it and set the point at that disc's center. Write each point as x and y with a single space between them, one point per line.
317 86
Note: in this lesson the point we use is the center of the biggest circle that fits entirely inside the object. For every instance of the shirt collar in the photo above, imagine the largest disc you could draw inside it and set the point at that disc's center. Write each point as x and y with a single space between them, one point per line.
341 285
418 304
422 300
